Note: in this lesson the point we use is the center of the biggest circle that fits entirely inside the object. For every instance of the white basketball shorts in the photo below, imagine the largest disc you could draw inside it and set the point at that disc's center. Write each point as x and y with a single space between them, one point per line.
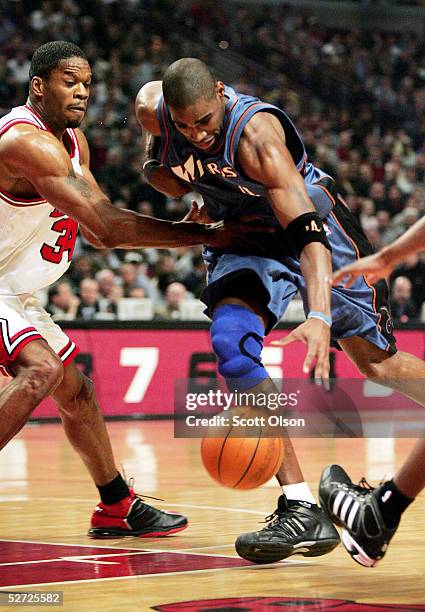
22 320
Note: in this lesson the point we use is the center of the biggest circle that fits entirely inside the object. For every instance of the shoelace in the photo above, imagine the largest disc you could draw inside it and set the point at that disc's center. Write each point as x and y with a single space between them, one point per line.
130 482
278 521
363 487
282 507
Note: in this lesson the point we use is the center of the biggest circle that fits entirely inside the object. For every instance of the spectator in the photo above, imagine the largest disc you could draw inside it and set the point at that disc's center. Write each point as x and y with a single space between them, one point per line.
413 269
402 307
394 200
378 196
132 276
106 282
194 280
401 222
384 226
137 292
62 303
344 178
89 304
358 97
81 269
175 293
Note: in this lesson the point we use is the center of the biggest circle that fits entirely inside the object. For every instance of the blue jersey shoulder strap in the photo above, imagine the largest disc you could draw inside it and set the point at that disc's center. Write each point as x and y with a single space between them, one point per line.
242 108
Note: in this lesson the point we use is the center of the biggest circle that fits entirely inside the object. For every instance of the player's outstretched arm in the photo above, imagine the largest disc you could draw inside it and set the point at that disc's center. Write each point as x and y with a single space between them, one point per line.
52 176
381 264
160 178
265 158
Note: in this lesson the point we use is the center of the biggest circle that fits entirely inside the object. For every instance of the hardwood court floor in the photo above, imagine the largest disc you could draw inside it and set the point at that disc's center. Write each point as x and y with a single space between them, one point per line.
46 499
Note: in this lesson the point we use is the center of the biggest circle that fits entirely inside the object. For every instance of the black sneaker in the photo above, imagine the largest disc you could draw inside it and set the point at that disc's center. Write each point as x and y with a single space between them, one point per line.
355 508
295 527
133 517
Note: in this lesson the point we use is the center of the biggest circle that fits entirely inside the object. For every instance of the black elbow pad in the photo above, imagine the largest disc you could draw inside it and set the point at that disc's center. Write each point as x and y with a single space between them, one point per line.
305 229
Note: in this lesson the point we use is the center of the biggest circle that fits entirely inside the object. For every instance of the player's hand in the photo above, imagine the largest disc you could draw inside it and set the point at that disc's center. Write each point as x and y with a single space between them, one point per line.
373 268
316 334
197 214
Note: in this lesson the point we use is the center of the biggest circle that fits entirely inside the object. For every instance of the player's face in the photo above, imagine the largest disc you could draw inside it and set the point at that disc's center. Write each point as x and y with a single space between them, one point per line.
66 93
202 122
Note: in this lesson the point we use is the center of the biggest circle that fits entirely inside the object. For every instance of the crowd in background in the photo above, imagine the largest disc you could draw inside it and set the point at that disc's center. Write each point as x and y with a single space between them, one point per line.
356 97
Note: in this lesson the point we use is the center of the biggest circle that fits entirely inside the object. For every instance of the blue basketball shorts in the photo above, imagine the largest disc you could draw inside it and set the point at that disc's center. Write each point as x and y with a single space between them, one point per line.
362 310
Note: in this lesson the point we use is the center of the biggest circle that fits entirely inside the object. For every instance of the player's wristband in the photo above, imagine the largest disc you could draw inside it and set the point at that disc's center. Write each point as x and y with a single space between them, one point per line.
315 314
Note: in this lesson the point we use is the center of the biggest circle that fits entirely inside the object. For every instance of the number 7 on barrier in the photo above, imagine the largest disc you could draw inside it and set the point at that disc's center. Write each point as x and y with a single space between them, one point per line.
146 361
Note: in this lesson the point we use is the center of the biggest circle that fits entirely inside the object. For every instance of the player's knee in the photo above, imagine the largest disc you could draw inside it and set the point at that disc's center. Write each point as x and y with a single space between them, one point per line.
237 339
41 379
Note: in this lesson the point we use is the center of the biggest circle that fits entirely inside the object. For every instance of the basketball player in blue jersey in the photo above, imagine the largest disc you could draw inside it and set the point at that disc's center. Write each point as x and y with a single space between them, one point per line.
245 157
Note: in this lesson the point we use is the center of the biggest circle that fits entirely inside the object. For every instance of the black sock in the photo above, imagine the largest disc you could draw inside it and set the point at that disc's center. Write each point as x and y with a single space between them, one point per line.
114 491
392 503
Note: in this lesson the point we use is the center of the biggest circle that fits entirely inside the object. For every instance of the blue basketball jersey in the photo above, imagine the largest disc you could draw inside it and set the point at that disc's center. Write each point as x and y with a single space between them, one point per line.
272 258
227 193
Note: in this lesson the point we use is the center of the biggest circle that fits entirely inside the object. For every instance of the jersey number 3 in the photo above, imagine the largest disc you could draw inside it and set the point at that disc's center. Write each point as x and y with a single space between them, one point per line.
65 243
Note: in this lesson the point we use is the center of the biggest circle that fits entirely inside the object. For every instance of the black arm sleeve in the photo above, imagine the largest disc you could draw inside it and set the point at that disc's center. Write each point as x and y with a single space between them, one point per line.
305 229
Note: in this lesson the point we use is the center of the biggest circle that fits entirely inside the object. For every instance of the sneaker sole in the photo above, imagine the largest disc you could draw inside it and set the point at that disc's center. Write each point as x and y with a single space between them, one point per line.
270 554
356 552
105 533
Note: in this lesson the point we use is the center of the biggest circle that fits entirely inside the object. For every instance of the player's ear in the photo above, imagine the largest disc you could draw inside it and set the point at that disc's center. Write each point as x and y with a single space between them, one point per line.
37 85
219 87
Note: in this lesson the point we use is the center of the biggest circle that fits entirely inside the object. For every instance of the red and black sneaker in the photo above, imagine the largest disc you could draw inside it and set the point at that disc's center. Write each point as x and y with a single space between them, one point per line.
133 517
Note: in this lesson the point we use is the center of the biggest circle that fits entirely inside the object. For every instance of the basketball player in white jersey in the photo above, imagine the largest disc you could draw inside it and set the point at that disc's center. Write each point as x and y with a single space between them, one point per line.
46 188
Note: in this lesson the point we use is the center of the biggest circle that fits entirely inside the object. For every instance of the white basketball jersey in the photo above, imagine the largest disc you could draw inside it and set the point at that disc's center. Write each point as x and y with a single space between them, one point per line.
36 239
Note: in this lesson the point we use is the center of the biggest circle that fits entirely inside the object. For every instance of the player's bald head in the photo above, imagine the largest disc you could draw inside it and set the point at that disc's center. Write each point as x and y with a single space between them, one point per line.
187 80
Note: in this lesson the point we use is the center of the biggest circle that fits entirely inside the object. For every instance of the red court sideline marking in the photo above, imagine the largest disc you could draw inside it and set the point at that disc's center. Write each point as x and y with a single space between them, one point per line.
31 563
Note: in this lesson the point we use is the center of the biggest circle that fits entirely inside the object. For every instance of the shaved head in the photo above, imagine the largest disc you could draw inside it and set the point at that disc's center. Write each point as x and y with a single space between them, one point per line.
186 81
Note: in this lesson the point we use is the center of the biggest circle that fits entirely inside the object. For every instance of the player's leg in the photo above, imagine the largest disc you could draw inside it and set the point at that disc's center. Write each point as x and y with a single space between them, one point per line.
36 372
370 517
84 425
239 323
400 371
237 335
121 512
34 367
363 328
410 478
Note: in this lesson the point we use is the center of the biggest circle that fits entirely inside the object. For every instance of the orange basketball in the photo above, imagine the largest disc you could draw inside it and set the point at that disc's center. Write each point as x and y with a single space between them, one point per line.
237 461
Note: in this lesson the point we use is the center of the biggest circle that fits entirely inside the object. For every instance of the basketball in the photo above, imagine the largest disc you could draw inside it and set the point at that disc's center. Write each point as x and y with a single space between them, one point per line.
239 455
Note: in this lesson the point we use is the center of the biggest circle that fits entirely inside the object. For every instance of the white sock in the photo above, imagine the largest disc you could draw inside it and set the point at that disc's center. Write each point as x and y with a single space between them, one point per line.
299 491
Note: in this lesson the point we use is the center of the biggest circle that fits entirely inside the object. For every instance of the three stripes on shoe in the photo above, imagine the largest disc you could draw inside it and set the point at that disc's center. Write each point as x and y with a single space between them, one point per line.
346 508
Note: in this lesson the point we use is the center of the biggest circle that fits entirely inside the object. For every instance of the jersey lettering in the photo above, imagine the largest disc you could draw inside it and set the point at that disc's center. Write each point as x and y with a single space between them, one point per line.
247 191
65 243
213 168
187 170
226 171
